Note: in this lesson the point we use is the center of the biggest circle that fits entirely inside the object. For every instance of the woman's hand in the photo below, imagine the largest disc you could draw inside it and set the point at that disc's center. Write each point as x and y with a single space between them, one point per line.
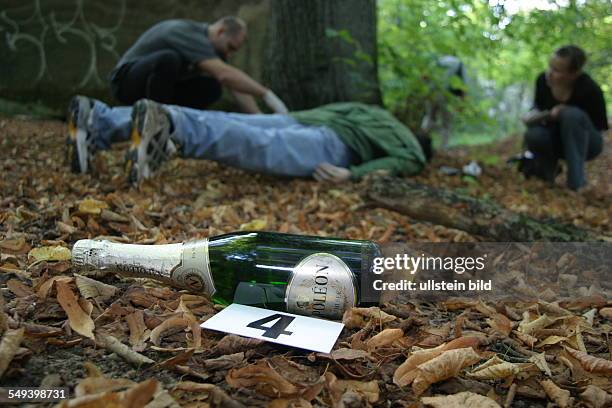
554 113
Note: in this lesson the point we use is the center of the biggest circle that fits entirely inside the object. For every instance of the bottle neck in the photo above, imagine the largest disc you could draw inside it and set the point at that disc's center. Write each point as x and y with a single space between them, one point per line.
185 265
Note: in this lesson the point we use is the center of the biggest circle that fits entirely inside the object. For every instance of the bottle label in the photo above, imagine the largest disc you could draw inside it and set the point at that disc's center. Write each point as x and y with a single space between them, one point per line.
193 272
321 285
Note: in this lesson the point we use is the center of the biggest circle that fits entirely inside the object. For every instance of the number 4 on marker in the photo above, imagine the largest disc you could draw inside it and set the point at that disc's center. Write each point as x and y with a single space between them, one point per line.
276 329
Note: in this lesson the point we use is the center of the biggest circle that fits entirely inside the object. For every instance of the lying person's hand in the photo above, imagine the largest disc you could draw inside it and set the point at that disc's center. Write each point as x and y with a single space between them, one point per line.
329 173
554 113
274 102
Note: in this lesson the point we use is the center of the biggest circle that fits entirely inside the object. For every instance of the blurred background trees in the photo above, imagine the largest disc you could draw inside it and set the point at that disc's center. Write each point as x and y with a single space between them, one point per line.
503 44
320 51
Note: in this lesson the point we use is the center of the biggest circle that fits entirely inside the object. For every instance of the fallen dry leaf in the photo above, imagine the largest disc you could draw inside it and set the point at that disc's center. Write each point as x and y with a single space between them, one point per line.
585 302
494 369
461 400
214 395
357 317
349 354
337 388
18 288
406 372
91 206
576 340
528 326
45 288
93 289
590 363
137 396
595 397
231 344
139 333
540 361
289 403
606 312
170 323
254 225
97 384
79 320
559 396
14 246
446 365
263 378
50 253
500 323
39 330
551 340
384 338
9 346
527 339
224 362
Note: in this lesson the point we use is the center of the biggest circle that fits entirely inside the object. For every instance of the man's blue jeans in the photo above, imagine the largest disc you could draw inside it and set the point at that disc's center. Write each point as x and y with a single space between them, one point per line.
273 144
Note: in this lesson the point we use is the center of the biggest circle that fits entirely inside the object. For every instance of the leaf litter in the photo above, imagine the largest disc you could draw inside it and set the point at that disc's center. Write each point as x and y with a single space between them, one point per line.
145 339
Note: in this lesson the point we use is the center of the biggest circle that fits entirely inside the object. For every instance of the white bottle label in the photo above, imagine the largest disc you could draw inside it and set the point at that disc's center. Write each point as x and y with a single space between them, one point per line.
321 285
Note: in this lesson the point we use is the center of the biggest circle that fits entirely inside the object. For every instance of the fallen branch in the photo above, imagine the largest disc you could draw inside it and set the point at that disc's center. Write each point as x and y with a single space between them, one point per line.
475 216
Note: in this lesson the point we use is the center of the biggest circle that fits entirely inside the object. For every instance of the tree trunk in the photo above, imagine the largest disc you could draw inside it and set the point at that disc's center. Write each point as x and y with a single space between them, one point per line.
478 217
322 51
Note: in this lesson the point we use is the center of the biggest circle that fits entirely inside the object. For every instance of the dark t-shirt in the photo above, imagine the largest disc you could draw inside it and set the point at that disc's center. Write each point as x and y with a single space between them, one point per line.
587 95
188 38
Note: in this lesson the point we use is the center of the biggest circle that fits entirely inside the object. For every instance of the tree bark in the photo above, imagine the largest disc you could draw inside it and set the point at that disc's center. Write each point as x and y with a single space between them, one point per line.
309 66
475 216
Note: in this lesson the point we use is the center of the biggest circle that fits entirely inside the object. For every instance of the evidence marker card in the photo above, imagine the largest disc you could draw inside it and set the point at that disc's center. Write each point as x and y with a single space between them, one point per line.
276 327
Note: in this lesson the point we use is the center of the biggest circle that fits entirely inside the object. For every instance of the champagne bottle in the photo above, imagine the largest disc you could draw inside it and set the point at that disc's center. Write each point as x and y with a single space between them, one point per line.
305 275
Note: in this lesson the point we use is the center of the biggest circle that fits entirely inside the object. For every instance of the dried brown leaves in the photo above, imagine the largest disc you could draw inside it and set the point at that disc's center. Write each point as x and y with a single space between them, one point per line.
357 317
11 340
79 319
461 400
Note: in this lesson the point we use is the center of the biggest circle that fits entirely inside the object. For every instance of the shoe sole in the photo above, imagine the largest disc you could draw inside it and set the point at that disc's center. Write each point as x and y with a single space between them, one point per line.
149 136
79 151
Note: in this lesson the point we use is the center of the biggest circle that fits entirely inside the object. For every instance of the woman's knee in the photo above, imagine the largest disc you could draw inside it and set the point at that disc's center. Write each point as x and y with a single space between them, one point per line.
538 138
571 114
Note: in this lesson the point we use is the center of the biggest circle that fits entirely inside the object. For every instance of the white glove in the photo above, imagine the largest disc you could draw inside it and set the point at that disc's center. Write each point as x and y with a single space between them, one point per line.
274 102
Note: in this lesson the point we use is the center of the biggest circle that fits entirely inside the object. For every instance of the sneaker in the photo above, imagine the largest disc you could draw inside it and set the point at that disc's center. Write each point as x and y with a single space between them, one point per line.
80 146
151 143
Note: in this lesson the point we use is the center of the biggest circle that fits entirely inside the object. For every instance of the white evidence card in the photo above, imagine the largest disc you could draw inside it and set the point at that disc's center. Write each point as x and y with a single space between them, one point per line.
277 327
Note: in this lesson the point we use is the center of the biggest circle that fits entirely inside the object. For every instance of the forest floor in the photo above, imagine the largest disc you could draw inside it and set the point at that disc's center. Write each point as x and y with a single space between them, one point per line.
50 315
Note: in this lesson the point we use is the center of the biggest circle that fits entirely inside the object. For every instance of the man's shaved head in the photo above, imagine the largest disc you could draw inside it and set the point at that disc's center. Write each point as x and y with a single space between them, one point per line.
227 35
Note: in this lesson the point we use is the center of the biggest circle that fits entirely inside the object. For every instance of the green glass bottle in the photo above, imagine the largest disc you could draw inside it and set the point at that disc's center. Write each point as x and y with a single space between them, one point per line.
307 275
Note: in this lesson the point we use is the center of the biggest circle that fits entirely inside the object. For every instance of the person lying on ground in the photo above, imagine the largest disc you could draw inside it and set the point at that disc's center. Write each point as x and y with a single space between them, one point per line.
567 119
332 143
183 62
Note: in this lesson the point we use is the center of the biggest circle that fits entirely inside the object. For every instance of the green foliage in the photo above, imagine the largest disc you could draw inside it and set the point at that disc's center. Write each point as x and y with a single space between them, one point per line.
356 59
502 50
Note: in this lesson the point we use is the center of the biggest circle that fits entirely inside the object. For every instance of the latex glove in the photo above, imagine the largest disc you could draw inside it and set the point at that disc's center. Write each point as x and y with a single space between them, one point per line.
326 172
274 102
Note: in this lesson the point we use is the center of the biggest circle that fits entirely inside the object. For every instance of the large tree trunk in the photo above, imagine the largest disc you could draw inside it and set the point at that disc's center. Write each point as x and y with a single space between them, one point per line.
308 65
478 217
